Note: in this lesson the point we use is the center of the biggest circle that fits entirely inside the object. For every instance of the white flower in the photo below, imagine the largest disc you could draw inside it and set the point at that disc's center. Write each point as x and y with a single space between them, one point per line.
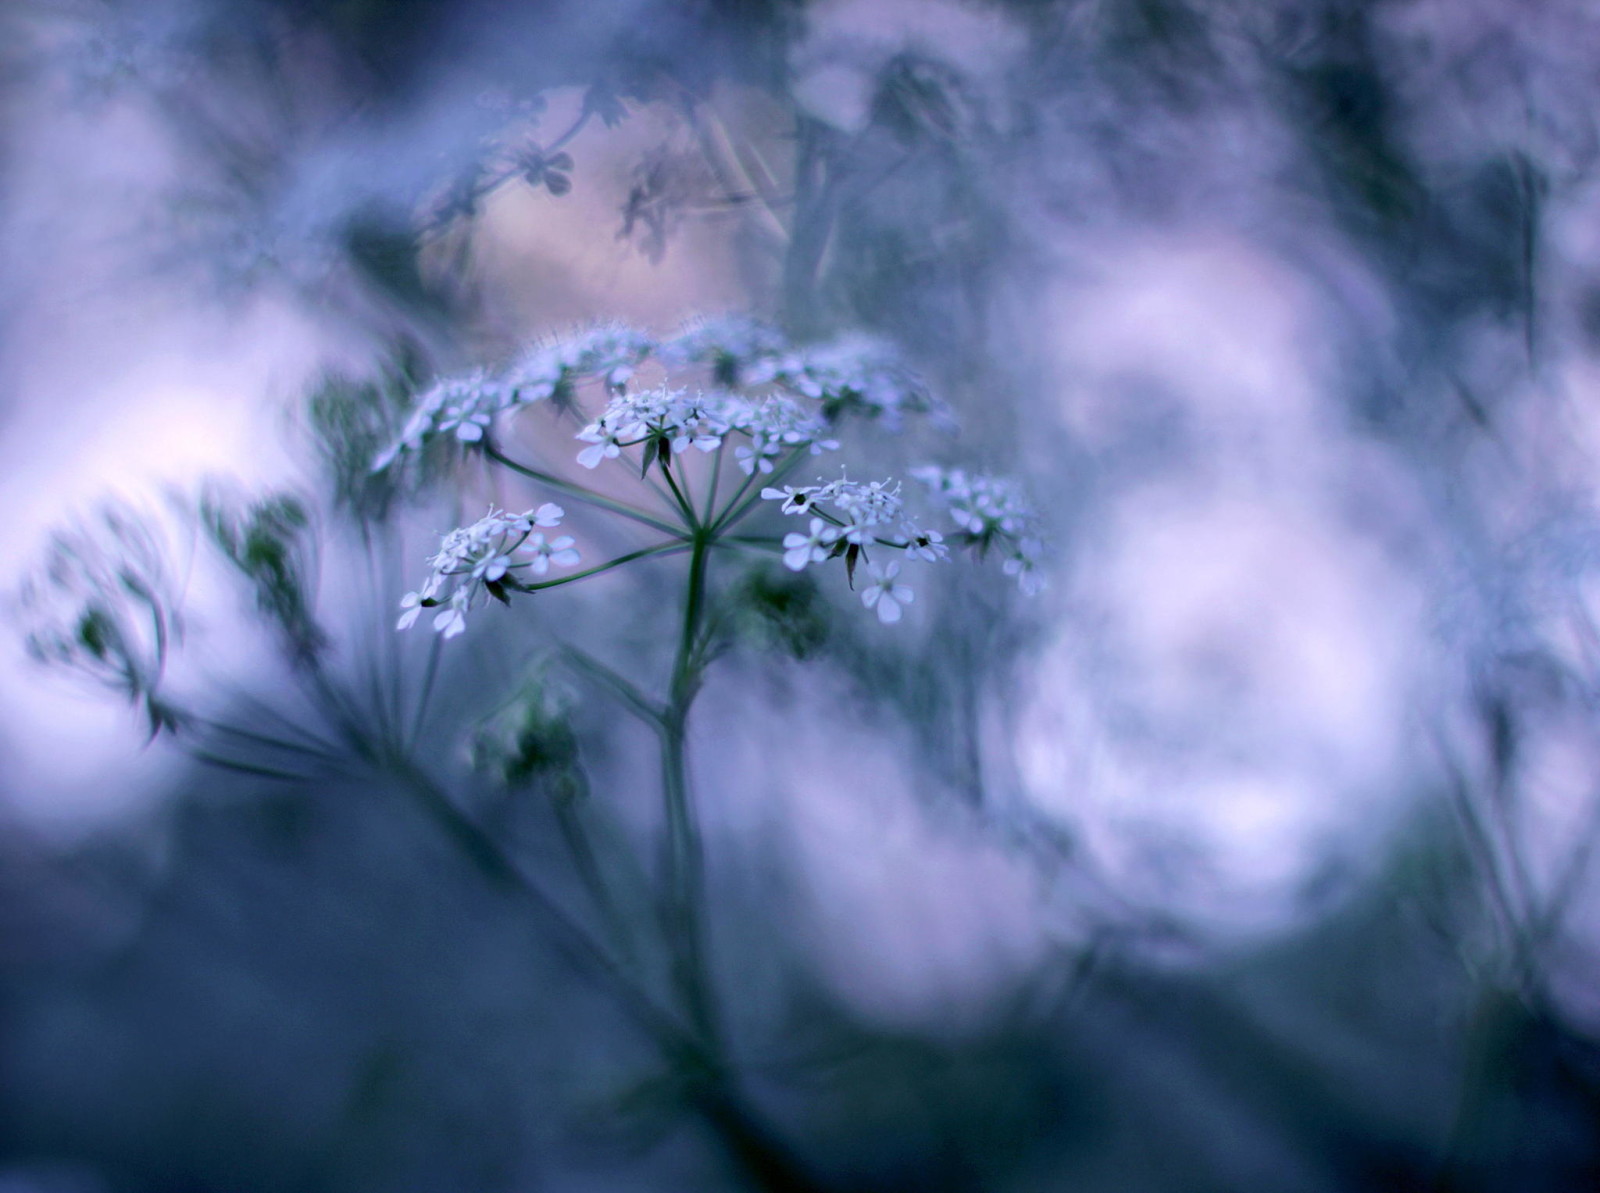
558 551
549 514
928 545
468 424
411 604
606 440
884 594
795 500
801 549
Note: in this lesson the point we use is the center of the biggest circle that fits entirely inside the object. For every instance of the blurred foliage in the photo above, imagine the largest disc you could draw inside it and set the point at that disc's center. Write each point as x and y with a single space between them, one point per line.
268 542
101 606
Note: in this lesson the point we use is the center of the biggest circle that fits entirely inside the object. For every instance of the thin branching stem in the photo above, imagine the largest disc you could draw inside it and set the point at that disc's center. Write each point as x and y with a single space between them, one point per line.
673 548
716 479
429 674
685 506
741 505
629 693
580 493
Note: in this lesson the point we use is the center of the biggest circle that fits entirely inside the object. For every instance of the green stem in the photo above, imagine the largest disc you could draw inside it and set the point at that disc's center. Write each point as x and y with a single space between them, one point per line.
578 491
716 479
429 675
642 553
685 506
624 689
683 861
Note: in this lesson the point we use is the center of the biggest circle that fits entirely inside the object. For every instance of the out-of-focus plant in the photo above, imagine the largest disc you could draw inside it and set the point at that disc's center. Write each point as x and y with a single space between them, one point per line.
102 605
695 446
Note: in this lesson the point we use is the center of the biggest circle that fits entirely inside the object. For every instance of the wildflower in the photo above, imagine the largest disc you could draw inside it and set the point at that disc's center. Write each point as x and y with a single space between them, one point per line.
990 512
452 621
801 549
482 559
928 545
884 594
558 551
411 606
796 500
607 443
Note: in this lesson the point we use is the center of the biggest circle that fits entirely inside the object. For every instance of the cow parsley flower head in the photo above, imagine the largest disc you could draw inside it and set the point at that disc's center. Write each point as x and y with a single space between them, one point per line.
465 406
670 421
731 345
850 520
989 513
861 511
460 406
610 352
853 374
483 559
776 425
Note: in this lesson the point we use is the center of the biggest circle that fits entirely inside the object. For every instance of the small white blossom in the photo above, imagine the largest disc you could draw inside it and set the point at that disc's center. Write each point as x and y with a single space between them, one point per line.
411 606
558 551
678 420
928 545
884 594
801 549
607 443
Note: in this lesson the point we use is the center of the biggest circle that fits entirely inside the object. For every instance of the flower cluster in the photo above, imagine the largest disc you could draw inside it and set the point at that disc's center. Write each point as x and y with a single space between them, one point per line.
463 406
483 559
990 512
848 519
670 421
853 374
611 352
731 345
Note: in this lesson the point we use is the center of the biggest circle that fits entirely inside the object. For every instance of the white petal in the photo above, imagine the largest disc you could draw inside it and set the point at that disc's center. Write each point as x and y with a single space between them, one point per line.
888 609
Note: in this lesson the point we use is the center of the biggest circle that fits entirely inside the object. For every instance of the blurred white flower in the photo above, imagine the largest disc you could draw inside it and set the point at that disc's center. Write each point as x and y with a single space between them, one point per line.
884 594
